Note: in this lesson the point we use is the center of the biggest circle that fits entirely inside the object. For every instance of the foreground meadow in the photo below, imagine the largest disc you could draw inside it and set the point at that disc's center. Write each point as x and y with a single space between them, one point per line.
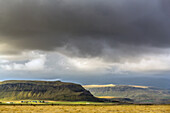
87 109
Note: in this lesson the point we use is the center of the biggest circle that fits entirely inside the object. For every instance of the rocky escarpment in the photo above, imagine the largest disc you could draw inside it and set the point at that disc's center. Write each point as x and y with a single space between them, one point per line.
44 90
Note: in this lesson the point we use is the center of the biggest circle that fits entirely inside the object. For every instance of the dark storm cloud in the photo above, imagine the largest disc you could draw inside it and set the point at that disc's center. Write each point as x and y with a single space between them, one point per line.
87 25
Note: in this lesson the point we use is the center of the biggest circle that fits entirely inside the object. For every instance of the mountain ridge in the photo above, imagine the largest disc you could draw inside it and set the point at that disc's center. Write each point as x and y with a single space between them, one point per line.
140 94
43 90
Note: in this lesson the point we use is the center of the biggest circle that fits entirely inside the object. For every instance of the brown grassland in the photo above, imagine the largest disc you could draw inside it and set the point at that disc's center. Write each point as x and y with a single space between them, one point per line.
87 109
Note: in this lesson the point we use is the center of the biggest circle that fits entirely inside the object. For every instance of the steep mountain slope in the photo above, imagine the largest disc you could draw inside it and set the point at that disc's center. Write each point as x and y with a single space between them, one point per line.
44 90
137 93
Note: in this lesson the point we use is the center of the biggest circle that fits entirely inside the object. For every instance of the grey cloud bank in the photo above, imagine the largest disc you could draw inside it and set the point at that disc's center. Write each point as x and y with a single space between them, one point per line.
84 38
45 25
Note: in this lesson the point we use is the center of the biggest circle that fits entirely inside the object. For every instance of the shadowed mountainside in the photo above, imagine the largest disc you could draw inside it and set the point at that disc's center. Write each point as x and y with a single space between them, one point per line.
43 90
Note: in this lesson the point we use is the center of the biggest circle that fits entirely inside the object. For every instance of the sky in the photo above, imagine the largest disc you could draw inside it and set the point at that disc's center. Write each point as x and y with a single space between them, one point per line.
85 41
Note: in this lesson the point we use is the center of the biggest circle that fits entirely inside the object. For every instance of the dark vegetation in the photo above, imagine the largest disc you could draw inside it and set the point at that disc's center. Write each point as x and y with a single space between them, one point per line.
44 90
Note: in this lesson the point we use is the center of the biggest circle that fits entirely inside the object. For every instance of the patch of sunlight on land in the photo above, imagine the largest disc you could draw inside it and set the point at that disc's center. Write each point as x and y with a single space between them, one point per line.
87 109
111 85
139 86
47 102
107 97
92 86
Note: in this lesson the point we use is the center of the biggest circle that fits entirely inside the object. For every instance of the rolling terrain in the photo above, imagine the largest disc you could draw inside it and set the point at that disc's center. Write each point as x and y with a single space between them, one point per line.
139 94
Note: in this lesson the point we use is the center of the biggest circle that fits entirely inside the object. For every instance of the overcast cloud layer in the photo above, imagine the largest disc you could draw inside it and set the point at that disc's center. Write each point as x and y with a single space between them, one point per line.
89 37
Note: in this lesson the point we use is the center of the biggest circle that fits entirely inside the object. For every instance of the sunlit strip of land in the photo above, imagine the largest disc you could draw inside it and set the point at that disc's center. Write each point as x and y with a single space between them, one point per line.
50 102
111 85
106 97
91 86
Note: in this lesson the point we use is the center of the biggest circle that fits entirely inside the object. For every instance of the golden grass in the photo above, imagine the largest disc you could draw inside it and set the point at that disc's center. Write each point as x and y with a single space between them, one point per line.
87 109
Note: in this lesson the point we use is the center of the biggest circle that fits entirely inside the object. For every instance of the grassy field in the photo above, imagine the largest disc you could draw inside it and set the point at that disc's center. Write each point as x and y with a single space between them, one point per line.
53 102
87 109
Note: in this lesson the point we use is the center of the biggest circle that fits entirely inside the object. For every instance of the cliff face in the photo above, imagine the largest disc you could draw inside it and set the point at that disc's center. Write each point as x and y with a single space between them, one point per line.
44 90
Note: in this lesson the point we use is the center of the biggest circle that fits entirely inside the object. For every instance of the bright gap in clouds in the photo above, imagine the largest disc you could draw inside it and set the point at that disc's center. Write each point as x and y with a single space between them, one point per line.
89 63
31 61
56 63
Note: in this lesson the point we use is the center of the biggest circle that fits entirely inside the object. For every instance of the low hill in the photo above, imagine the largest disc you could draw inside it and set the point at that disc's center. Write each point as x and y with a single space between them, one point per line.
44 90
140 94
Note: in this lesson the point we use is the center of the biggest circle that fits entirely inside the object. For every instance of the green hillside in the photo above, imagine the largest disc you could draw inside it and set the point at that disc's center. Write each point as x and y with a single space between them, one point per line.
44 90
140 94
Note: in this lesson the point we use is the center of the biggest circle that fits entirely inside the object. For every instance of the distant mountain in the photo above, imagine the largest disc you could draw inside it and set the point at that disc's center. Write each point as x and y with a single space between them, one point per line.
163 83
140 94
44 90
